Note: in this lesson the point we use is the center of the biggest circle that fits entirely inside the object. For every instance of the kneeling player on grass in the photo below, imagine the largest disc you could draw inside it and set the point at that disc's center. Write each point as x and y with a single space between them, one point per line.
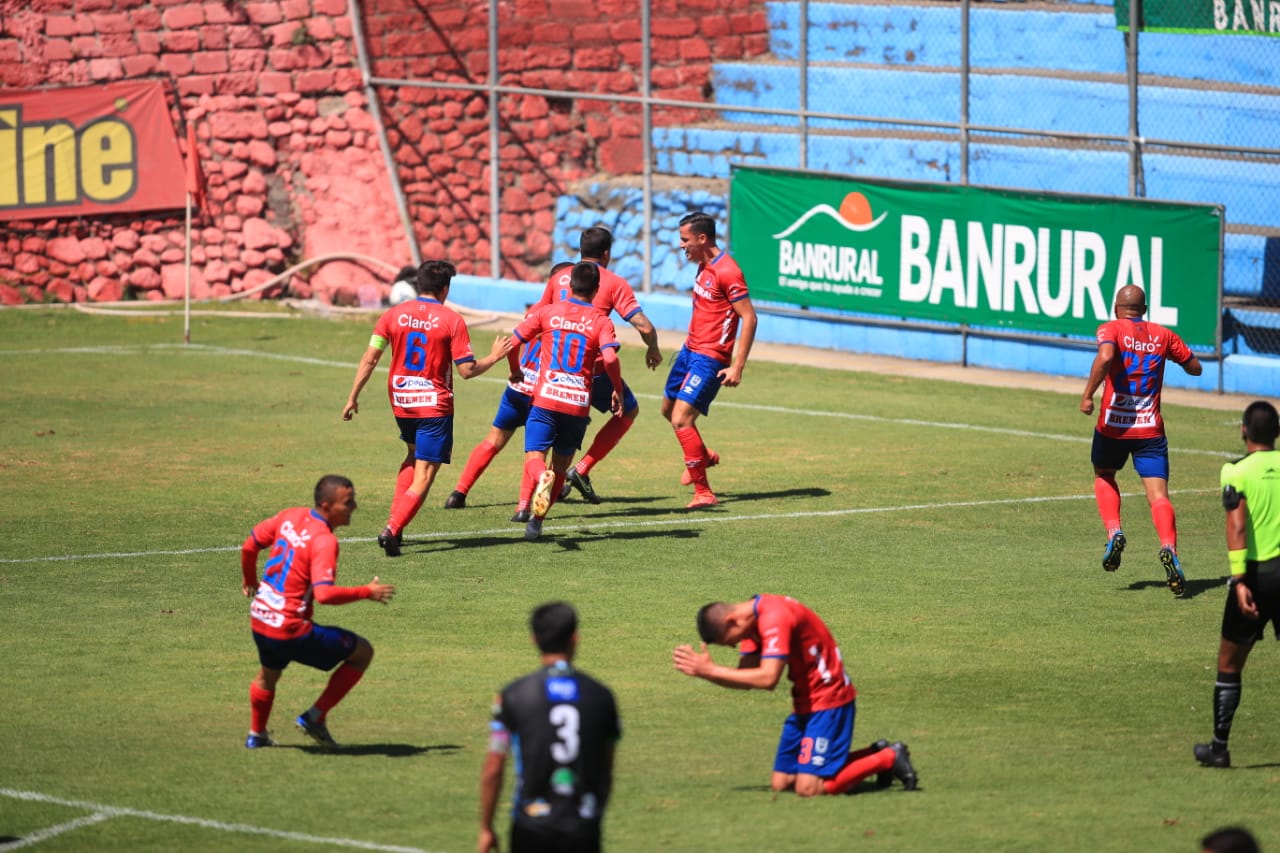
773 631
302 565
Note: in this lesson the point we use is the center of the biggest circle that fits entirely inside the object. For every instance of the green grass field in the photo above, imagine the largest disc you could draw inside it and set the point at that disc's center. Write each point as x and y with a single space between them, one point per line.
946 533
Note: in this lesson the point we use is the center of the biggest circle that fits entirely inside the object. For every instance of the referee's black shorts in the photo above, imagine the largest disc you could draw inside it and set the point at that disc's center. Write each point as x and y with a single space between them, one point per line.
1263 580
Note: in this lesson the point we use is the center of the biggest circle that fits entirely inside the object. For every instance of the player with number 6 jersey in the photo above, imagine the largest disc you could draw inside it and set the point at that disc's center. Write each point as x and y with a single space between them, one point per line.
427 341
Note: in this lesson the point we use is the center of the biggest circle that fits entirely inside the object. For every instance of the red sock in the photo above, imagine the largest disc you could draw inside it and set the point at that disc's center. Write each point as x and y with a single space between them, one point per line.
606 440
857 769
526 487
695 457
556 487
340 683
403 481
404 509
477 462
1166 524
260 702
1108 495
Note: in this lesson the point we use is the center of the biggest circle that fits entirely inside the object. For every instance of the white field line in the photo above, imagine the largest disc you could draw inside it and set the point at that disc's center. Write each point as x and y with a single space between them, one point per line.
50 831
200 349
590 524
101 812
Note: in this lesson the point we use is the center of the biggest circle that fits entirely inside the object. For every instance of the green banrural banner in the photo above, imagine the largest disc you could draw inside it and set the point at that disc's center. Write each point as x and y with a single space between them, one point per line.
1246 17
991 258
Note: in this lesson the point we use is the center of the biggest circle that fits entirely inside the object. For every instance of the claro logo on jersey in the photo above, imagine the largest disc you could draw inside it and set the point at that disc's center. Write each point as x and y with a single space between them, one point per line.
296 539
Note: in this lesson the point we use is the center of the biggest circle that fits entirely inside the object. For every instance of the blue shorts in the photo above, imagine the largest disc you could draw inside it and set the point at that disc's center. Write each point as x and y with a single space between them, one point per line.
694 378
323 647
556 430
1150 455
513 410
432 438
816 744
602 395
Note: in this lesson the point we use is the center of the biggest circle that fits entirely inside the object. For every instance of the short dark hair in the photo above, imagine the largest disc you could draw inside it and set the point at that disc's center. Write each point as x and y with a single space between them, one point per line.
553 626
700 223
327 487
1261 423
434 276
711 621
595 241
585 279
1230 839
408 273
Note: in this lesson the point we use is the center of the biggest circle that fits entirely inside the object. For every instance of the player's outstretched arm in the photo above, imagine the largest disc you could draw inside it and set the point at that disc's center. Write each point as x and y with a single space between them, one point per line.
501 347
375 589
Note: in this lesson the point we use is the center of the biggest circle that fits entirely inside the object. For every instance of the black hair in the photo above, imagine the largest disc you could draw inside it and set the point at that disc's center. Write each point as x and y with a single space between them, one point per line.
595 241
553 626
700 223
327 487
1230 839
434 276
408 273
1261 423
710 622
585 279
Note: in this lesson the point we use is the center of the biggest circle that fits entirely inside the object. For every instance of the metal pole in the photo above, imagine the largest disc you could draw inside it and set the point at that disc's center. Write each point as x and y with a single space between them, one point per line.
495 189
964 91
1136 187
804 84
646 69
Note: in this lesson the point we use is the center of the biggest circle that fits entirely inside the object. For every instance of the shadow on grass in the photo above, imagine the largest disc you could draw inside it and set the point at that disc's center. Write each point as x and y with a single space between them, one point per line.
388 750
1194 586
568 540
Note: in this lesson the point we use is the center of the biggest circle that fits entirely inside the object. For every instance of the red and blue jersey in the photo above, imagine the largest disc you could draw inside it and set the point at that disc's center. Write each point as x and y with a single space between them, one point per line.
571 335
614 294
303 555
713 326
789 630
1131 392
426 339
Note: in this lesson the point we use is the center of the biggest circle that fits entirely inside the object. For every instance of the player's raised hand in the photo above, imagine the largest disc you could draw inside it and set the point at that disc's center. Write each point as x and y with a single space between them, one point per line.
501 346
382 592
690 662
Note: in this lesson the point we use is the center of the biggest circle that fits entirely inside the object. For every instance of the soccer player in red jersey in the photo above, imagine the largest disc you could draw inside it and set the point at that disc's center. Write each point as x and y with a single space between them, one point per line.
708 359
614 294
427 340
513 411
1130 368
301 569
775 631
572 335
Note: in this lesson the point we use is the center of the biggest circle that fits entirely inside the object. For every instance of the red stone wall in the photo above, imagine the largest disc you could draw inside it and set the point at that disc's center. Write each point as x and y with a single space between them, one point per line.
289 145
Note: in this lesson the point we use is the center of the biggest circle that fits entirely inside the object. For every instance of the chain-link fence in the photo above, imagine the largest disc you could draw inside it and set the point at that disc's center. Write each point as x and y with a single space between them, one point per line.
631 113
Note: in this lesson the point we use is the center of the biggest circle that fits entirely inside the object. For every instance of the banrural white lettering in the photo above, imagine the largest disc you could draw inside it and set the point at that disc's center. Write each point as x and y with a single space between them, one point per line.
1012 268
1247 15
830 263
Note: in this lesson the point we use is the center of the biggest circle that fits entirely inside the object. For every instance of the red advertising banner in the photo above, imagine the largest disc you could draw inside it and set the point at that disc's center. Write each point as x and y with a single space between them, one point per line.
88 151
